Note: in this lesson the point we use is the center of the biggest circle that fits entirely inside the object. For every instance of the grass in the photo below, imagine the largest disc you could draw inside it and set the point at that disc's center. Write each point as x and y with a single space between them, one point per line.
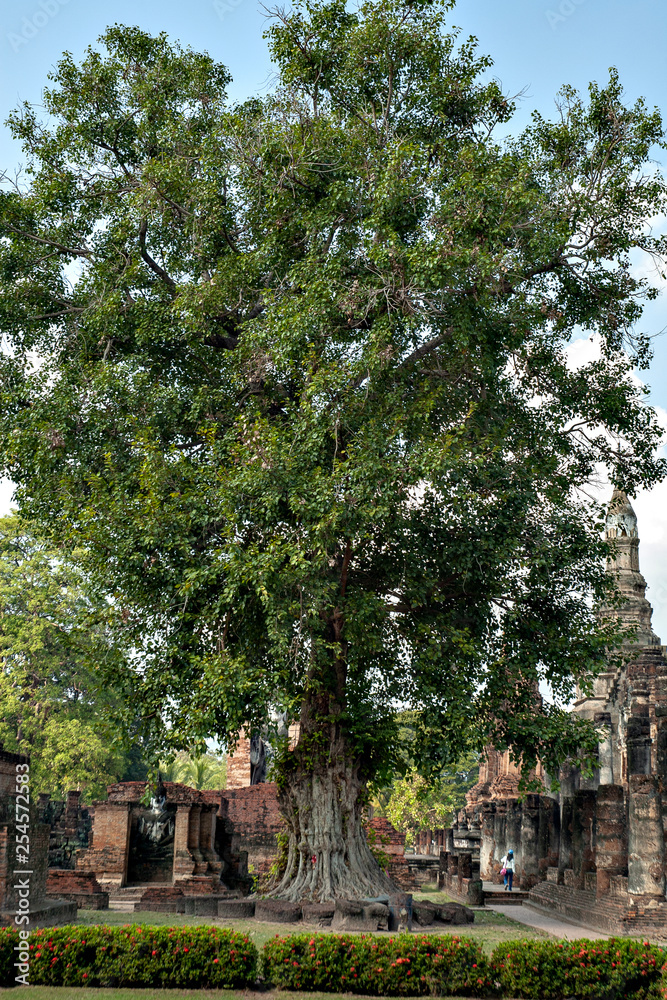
74 993
489 928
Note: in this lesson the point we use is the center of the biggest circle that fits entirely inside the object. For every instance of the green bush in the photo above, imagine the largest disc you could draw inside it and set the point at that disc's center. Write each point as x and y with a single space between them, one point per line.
618 969
402 965
134 956
9 939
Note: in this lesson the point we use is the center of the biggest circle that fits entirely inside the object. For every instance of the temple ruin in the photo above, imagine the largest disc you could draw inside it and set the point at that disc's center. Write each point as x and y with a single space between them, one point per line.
594 850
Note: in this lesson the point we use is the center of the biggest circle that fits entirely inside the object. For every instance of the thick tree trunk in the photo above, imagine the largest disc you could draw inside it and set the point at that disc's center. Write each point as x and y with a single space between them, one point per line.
328 855
321 790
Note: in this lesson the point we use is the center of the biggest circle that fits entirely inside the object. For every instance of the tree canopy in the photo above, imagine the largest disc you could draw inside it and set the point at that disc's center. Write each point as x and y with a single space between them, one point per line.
304 398
52 641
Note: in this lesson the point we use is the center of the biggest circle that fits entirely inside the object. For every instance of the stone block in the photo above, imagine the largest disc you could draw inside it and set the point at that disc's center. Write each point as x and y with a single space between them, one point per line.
206 906
320 914
400 911
236 909
424 913
277 911
355 915
455 913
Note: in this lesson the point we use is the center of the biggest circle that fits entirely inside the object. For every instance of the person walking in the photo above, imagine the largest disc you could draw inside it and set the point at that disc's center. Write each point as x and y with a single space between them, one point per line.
507 869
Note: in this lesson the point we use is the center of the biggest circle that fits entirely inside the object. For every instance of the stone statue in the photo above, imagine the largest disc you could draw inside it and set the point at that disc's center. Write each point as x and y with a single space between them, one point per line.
257 760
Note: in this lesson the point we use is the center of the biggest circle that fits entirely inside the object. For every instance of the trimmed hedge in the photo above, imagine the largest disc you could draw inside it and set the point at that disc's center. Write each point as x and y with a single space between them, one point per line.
9 939
406 965
597 970
135 956
379 965
401 965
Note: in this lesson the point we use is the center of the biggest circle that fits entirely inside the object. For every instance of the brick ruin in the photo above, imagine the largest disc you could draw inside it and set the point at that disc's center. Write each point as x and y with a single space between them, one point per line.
595 851
42 911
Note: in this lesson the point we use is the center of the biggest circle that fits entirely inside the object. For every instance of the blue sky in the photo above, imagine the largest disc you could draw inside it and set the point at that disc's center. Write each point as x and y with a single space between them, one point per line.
537 45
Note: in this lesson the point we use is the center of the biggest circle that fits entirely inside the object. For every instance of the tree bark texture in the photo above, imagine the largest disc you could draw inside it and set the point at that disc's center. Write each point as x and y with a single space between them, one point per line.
328 855
321 797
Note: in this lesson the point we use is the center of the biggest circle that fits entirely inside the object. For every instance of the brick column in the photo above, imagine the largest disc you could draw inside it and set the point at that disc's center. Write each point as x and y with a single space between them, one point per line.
207 840
611 845
238 764
583 843
184 864
645 837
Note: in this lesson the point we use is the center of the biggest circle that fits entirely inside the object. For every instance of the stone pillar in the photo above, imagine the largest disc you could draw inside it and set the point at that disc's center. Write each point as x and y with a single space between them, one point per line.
194 835
605 753
207 839
638 742
449 840
565 859
661 742
487 843
548 835
611 845
443 868
184 864
529 871
645 837
499 837
583 842
465 868
513 834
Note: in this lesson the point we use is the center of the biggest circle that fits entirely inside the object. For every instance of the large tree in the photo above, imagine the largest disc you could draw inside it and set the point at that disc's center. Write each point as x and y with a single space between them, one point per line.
304 399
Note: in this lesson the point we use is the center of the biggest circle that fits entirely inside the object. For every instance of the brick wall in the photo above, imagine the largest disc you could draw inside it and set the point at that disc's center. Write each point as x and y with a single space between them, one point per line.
251 814
8 762
617 913
391 840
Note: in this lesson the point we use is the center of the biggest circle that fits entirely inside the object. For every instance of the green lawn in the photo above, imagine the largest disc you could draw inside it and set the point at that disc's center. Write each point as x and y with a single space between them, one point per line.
74 993
489 928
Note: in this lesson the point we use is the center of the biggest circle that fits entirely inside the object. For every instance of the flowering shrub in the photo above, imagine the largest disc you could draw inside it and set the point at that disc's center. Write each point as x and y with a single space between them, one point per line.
9 939
401 965
134 956
600 970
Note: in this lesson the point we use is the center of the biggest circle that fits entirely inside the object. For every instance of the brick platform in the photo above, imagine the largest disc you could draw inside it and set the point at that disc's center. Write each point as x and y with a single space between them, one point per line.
80 887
